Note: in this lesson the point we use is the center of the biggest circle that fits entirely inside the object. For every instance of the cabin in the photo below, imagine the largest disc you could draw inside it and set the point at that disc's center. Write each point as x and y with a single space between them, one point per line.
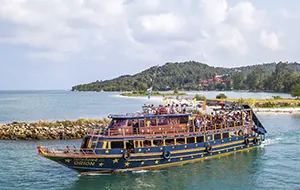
137 132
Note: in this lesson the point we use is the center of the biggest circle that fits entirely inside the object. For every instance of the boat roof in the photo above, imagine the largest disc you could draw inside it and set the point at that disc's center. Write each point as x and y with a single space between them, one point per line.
147 116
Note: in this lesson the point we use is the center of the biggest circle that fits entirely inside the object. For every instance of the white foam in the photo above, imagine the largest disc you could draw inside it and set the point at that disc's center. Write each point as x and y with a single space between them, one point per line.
94 174
140 171
272 141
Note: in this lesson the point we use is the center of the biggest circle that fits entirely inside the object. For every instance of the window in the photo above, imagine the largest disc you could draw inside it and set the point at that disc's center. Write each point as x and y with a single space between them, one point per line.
162 121
153 122
217 136
142 123
117 123
225 135
99 144
157 142
85 142
147 143
180 141
129 145
191 140
116 144
183 120
94 142
129 123
169 142
200 139
173 121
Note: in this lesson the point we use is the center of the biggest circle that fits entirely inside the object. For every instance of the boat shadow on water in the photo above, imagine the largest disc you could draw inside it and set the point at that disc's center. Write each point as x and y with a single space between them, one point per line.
239 169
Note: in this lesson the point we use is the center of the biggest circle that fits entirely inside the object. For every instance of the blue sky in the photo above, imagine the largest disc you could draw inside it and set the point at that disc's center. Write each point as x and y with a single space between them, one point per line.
60 43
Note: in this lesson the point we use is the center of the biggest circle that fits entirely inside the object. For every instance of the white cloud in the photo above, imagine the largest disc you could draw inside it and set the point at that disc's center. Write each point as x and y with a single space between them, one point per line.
270 40
214 10
245 16
148 31
233 40
167 24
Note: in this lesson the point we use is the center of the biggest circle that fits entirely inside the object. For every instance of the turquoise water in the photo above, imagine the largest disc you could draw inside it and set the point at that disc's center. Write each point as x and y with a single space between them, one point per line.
275 165
56 105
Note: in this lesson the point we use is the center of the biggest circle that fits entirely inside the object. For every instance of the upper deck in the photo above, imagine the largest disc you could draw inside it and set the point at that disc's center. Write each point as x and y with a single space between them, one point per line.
149 124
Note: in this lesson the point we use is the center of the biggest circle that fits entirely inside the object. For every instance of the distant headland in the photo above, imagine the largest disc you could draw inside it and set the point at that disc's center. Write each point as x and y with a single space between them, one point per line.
191 75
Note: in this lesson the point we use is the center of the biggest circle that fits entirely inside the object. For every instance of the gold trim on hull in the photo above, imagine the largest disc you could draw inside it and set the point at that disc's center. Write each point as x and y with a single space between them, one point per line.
154 167
53 155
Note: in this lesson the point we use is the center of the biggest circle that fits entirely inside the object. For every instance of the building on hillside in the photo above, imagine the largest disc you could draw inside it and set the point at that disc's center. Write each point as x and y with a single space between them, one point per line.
217 79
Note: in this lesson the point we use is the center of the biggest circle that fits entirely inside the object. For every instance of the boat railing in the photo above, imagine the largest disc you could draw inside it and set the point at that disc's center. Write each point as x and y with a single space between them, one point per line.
95 131
68 150
170 129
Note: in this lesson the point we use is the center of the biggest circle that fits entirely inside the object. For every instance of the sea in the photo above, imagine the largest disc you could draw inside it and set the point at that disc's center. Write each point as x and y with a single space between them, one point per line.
274 165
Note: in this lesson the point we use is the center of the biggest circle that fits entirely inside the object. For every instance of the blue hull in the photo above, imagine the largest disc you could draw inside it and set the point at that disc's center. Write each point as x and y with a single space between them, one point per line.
152 157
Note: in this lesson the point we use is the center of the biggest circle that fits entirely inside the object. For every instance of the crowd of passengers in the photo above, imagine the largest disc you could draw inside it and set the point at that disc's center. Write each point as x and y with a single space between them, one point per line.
210 121
167 109
222 120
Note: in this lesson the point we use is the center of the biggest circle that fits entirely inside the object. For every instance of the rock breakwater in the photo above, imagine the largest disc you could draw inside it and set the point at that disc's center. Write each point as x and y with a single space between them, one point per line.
45 130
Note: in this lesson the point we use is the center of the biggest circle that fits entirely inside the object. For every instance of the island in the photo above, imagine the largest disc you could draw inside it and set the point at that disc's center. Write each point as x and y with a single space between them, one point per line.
192 75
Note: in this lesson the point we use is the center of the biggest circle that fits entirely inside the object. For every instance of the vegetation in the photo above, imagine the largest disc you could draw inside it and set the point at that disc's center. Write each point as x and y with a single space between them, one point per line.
176 91
199 97
268 103
221 96
279 77
296 91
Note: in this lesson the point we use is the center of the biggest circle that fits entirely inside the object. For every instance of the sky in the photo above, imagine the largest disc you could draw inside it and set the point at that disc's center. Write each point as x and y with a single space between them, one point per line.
55 44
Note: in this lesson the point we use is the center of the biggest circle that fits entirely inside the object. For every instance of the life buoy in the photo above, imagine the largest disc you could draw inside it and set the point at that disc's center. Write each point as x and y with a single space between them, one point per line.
166 154
208 148
246 141
241 133
255 140
126 155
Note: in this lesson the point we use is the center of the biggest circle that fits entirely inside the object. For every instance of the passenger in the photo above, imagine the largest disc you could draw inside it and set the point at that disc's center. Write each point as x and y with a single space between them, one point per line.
168 109
149 110
183 108
179 109
148 123
163 110
173 109
197 123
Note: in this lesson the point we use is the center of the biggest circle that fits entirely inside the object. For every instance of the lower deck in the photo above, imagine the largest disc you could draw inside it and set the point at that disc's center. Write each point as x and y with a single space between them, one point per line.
153 157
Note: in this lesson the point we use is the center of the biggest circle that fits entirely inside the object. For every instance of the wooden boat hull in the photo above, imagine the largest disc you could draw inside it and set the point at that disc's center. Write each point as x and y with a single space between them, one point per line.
180 154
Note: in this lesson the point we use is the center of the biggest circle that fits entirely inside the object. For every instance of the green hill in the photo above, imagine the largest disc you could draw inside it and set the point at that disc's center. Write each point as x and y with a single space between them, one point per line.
186 75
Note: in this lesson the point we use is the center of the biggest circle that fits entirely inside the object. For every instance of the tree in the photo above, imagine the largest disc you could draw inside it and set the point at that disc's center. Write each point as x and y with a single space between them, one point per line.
295 92
199 97
221 96
255 79
238 80
176 90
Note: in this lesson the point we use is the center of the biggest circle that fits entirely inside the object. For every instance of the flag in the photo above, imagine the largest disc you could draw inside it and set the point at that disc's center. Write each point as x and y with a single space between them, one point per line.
253 103
167 101
149 90
204 105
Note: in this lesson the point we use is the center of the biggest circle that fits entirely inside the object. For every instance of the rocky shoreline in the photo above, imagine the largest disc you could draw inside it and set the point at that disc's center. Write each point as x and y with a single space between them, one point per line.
45 130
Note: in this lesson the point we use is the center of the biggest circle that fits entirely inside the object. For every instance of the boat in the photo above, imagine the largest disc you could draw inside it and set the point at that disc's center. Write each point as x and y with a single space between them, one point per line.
147 140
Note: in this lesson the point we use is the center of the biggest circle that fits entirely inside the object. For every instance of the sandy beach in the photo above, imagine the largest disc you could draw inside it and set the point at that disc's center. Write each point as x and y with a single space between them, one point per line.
277 110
